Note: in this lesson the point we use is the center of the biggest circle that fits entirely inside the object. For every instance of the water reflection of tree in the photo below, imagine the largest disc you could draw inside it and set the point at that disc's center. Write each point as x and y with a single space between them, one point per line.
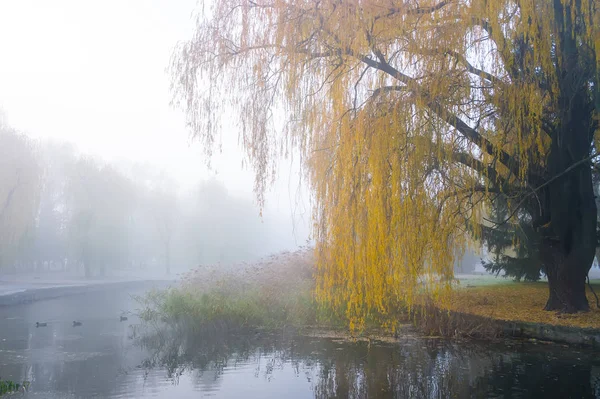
178 352
415 368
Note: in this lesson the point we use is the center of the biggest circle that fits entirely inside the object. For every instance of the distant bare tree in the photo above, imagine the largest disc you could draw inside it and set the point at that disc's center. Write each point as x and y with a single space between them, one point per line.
19 191
101 201
164 210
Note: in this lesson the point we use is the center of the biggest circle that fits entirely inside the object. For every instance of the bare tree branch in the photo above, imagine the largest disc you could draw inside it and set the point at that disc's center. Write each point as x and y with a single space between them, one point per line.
475 71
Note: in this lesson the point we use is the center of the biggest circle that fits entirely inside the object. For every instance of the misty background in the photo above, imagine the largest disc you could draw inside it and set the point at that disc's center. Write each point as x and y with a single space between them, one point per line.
98 173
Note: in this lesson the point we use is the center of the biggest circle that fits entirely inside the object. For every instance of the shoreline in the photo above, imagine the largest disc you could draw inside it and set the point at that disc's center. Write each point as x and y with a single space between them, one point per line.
495 329
583 336
19 295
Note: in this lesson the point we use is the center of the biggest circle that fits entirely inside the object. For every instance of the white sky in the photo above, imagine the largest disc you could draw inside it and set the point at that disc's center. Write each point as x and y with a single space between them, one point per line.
93 73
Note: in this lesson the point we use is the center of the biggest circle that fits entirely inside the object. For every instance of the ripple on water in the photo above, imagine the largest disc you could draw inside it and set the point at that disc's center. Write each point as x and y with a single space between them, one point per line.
235 379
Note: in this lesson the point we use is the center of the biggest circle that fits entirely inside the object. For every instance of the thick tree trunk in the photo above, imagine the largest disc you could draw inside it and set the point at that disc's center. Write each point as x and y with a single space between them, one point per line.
568 244
566 281
568 241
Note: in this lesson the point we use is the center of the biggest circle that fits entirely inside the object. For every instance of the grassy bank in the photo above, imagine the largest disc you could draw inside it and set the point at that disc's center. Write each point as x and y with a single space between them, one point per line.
10 387
274 293
520 302
278 293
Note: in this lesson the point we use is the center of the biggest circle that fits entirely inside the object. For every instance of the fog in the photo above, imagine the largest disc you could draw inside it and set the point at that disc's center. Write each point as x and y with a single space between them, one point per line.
68 212
99 175
137 260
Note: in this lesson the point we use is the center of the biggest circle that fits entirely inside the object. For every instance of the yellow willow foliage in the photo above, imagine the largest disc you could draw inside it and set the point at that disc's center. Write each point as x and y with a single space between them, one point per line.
382 232
409 117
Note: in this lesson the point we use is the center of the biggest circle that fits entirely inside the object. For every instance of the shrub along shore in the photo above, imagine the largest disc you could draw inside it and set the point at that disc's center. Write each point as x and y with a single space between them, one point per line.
278 293
274 293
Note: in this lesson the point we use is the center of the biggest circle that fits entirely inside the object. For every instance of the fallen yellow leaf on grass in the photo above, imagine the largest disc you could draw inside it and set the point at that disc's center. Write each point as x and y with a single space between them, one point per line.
521 302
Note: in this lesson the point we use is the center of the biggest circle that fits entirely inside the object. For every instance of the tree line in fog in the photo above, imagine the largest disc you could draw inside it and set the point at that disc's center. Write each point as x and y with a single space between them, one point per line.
64 211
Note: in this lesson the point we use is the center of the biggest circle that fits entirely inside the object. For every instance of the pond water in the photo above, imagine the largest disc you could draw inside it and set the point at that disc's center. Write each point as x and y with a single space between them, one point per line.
107 358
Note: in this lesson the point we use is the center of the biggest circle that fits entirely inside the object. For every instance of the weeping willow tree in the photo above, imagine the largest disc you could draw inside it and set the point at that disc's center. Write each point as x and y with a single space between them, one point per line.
412 118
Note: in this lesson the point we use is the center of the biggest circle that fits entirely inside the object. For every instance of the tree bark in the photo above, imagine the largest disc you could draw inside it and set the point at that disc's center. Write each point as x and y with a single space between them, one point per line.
568 242
566 280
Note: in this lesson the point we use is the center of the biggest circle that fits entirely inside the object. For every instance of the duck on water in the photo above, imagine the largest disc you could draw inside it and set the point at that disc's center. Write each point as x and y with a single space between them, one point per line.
75 322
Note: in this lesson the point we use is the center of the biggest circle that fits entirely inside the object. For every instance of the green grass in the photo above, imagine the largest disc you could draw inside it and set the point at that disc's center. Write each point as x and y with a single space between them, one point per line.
279 293
272 294
483 281
251 308
8 387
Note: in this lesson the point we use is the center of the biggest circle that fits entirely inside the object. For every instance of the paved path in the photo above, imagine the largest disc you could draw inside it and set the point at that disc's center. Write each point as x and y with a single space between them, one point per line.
15 289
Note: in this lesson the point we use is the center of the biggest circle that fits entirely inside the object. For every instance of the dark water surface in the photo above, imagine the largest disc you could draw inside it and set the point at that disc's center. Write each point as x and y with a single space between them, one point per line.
107 358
